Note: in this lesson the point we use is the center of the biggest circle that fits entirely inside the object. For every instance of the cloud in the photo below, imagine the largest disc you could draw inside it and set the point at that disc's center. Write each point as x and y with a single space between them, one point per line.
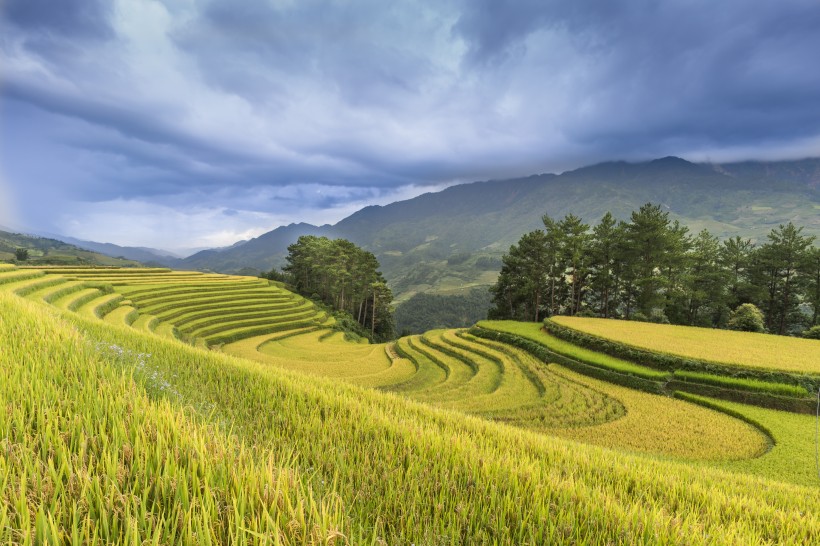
83 19
181 224
213 105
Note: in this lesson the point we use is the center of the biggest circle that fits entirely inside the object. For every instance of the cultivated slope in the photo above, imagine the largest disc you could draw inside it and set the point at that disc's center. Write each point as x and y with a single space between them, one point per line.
123 436
209 309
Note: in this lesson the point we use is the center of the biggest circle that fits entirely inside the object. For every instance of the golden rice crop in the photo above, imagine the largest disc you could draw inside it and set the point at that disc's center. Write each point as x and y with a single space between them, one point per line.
123 314
403 473
659 424
427 373
349 465
747 349
792 455
535 332
87 458
306 353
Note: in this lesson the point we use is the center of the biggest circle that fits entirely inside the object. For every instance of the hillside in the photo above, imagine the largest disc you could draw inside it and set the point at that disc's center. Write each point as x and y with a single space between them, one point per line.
43 250
447 241
279 433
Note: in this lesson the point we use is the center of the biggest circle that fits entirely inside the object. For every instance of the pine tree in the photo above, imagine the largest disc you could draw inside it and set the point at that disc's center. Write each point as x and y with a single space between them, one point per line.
605 264
810 269
778 265
736 260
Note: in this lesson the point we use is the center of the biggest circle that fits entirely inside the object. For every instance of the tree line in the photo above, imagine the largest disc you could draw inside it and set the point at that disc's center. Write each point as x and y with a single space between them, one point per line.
344 277
652 268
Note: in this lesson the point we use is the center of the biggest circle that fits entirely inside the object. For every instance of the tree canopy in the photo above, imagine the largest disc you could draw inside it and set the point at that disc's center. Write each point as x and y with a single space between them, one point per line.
651 268
343 276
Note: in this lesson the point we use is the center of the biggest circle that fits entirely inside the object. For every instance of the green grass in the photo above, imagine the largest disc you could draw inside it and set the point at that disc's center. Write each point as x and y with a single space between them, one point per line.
533 331
738 383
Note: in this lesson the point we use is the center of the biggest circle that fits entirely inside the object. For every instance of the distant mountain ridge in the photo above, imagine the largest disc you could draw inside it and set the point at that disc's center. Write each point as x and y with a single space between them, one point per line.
451 240
139 254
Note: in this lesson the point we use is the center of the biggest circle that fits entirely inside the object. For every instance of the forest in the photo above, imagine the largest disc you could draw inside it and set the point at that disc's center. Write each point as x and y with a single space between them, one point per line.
424 312
342 276
652 268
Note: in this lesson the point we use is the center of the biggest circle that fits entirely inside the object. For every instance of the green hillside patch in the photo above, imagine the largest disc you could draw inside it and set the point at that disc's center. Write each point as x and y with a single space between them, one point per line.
43 251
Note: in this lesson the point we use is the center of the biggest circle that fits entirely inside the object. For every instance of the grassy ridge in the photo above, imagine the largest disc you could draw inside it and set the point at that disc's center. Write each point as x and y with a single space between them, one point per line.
745 349
534 332
381 467
767 393
742 383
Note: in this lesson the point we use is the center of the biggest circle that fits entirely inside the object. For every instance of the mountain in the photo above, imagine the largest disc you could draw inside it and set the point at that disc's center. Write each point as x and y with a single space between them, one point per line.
262 253
452 240
45 250
140 254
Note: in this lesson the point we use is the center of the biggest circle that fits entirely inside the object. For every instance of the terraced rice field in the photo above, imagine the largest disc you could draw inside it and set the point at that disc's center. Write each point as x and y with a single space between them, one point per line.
319 352
744 349
112 435
208 309
453 370
503 383
445 368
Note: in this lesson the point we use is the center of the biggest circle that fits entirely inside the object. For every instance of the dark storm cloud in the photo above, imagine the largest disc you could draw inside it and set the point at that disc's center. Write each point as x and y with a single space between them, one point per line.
69 18
648 72
209 103
358 49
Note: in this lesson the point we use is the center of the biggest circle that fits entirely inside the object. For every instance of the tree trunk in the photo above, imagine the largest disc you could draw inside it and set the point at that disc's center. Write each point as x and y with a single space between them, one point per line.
785 304
373 318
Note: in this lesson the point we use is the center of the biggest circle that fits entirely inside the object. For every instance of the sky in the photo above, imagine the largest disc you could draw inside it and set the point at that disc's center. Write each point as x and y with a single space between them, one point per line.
182 124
